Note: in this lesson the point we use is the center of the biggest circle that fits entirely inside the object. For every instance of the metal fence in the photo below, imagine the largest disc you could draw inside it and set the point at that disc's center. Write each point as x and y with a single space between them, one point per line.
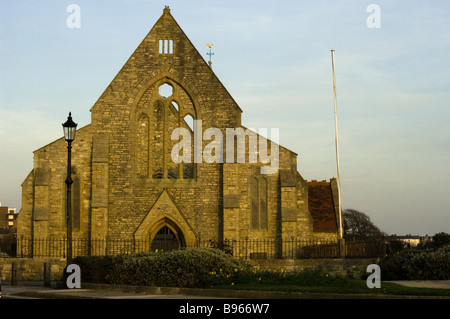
369 248
286 248
24 247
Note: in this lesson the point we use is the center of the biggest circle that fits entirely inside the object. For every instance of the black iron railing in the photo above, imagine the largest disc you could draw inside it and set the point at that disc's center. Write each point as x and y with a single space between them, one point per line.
24 247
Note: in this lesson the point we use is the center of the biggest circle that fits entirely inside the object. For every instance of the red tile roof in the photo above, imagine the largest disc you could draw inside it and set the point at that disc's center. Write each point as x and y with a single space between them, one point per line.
321 206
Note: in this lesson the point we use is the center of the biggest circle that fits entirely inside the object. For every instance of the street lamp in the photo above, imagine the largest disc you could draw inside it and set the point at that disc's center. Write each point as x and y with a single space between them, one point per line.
69 128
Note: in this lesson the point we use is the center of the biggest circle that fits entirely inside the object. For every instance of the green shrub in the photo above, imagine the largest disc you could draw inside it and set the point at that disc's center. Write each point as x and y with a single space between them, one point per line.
396 245
393 266
94 268
441 239
430 266
179 268
438 240
417 265
195 268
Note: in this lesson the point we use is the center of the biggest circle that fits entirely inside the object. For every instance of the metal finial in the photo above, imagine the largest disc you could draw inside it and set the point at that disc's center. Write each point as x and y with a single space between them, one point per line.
210 54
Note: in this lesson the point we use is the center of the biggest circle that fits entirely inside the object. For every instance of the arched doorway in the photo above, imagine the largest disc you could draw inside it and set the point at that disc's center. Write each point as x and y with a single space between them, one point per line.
166 224
167 239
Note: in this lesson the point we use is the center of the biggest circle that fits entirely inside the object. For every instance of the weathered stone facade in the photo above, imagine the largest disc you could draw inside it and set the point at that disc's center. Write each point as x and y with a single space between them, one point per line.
126 185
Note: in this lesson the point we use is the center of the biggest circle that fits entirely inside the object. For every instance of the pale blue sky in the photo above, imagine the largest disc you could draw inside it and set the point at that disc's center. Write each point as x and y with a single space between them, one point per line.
393 87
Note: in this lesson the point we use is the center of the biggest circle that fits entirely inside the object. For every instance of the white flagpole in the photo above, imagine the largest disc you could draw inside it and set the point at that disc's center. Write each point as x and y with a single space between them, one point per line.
337 150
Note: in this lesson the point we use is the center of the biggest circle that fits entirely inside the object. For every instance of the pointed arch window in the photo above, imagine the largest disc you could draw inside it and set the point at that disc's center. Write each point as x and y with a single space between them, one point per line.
169 107
142 143
259 203
188 168
76 202
189 121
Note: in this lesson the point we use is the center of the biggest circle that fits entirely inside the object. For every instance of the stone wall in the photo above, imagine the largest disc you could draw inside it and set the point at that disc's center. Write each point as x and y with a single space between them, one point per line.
31 269
44 193
351 268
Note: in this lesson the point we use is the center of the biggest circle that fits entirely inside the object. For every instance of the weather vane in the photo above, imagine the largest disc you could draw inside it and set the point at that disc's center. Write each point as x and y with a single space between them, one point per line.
210 54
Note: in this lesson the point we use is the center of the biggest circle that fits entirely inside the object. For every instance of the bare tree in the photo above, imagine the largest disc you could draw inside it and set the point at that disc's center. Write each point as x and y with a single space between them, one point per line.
358 225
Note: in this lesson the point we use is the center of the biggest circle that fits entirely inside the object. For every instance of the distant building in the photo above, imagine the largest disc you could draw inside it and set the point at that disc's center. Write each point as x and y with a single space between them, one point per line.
411 240
7 217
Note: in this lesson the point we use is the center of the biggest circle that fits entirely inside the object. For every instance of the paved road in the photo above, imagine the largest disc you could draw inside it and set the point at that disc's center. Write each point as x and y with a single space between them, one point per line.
37 290
40 292
441 284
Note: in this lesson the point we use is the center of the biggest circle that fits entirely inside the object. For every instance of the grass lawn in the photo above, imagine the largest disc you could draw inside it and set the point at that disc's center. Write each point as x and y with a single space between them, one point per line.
315 282
353 287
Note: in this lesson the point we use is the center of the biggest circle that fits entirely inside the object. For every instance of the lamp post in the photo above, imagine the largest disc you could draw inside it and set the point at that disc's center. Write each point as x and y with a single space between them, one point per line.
69 128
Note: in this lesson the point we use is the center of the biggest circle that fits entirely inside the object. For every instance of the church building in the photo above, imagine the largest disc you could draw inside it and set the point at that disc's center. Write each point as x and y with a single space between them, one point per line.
152 167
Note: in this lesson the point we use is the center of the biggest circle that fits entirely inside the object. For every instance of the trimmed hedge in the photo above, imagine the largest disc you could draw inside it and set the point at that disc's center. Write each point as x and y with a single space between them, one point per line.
192 268
417 265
